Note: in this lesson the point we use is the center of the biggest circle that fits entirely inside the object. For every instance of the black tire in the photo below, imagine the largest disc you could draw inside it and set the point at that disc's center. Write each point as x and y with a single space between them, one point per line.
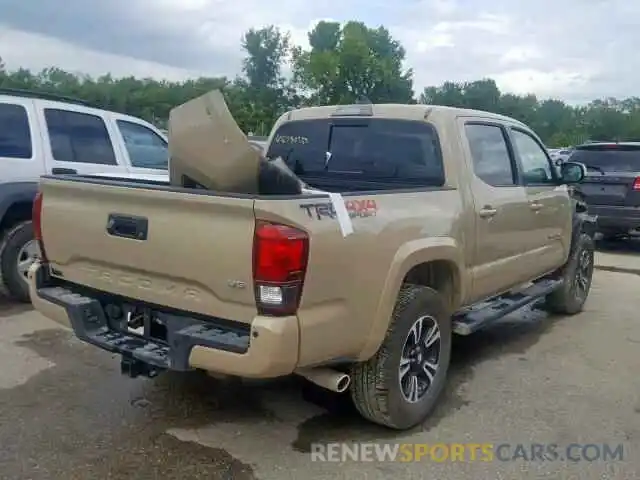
14 282
376 386
570 298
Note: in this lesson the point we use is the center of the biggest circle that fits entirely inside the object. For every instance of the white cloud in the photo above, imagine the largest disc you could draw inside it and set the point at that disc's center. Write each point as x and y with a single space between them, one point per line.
571 49
486 22
545 84
444 7
433 41
21 49
521 54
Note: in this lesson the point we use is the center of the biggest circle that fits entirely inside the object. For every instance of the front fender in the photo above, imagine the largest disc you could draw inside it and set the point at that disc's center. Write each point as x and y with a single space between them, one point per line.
408 256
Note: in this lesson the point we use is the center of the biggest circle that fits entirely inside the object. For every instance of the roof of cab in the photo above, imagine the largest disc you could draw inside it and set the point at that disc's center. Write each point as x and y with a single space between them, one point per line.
392 110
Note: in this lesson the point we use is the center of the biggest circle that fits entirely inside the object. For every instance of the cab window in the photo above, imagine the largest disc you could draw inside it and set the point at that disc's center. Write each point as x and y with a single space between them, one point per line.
361 154
146 148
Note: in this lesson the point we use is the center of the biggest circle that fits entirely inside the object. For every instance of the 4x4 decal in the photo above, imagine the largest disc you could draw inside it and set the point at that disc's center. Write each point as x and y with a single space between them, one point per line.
357 208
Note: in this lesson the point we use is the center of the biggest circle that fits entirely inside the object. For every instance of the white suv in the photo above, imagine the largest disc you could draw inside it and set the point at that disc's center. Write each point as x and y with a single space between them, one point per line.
43 134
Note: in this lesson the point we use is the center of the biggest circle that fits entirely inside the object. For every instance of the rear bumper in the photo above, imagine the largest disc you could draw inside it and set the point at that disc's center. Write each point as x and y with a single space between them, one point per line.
614 217
267 348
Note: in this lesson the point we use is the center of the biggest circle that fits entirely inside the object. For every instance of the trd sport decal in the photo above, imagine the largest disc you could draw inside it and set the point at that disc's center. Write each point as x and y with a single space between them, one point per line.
356 208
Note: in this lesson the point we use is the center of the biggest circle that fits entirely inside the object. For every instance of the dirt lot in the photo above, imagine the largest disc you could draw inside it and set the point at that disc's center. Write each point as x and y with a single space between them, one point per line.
66 413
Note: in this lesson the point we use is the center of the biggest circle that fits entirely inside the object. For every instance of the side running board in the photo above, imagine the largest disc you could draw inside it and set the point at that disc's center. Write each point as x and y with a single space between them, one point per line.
476 318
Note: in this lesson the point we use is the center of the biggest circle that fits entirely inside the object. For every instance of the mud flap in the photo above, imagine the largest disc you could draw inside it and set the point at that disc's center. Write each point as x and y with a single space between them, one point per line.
582 223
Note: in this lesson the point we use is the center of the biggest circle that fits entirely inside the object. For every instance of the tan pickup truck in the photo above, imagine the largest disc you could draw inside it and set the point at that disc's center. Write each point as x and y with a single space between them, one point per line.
454 218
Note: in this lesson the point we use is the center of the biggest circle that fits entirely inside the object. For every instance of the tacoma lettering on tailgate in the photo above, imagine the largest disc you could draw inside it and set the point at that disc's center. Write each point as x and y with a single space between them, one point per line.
143 283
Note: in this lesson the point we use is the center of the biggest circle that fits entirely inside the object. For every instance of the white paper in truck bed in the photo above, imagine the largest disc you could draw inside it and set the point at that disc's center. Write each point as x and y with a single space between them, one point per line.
207 147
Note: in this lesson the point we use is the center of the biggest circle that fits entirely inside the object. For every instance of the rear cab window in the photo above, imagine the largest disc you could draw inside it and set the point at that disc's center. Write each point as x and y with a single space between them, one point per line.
608 158
15 133
360 154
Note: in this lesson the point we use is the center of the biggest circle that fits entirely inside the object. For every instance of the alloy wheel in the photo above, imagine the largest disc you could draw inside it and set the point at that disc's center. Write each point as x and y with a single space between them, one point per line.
26 256
420 358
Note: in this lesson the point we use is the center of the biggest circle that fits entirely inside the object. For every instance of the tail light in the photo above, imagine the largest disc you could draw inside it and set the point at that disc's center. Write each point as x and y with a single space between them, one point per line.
280 255
36 220
636 184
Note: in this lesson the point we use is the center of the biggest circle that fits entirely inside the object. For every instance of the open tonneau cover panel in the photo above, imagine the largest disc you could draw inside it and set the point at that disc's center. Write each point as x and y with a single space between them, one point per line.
208 149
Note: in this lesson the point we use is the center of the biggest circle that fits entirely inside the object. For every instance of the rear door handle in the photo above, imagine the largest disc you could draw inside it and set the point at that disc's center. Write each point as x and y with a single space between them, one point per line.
63 171
535 206
488 211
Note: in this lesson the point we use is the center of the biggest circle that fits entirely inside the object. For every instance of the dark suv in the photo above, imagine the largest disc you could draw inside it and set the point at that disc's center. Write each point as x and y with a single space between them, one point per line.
611 188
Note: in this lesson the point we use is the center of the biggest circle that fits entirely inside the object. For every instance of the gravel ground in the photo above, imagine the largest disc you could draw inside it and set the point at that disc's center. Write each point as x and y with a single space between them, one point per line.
67 413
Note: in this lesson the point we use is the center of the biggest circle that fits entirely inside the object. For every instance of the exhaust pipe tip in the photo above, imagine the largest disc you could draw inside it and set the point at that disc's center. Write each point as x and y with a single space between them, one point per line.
327 378
342 383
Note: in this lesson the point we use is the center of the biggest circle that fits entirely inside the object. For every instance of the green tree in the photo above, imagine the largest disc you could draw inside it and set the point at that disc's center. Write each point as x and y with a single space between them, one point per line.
520 107
350 62
479 95
553 116
264 93
344 63
449 94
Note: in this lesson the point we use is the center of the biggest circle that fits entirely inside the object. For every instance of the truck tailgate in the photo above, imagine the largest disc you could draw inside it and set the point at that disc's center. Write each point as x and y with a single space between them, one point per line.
196 254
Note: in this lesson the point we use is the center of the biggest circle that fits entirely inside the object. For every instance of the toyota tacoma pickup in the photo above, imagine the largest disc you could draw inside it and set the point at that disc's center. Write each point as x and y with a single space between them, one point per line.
419 223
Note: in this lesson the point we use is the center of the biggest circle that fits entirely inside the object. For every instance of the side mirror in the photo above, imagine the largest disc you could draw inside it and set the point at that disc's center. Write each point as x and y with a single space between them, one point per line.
572 172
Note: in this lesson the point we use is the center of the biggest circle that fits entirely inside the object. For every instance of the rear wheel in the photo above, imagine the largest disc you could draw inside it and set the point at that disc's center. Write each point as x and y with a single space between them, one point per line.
576 276
18 252
399 386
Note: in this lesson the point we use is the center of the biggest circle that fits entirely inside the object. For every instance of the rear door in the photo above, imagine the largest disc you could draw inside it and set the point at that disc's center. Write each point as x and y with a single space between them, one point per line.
502 240
612 170
77 140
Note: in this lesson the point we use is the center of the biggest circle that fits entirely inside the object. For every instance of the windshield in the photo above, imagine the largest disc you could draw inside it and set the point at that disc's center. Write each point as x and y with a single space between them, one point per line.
360 154
609 159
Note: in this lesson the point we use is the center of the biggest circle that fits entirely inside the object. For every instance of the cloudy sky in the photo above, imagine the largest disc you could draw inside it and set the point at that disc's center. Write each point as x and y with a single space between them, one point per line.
576 50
